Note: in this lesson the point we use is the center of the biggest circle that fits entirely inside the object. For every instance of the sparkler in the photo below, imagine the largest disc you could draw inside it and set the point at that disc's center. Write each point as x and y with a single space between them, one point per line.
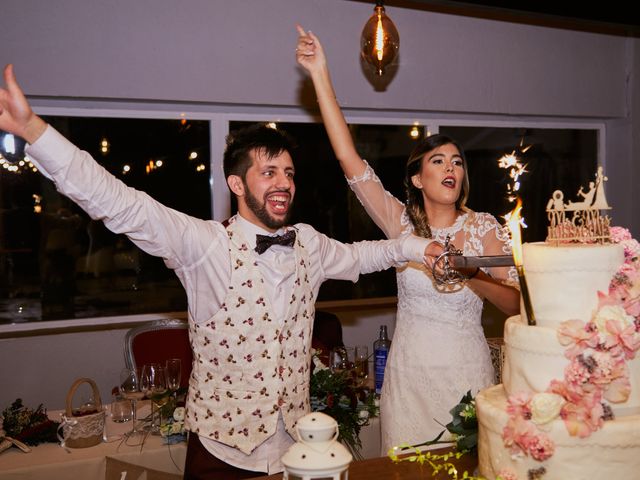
515 221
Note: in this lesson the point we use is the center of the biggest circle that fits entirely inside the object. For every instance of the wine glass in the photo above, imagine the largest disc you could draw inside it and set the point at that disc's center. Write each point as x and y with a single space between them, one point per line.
362 363
338 360
154 385
131 390
174 373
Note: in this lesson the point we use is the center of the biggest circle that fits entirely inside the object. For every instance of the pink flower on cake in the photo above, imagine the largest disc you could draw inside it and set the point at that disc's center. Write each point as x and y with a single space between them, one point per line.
541 448
577 375
583 418
518 405
622 339
506 474
519 434
631 246
577 335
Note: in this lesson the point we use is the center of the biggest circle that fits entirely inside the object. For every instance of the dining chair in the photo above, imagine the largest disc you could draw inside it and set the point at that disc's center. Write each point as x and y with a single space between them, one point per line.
327 334
157 342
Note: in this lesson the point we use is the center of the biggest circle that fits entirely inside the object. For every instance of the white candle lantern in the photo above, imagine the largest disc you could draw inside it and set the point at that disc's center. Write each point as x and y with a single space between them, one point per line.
317 454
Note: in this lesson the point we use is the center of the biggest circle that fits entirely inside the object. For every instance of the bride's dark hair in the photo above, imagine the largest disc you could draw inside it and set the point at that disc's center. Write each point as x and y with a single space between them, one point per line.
415 202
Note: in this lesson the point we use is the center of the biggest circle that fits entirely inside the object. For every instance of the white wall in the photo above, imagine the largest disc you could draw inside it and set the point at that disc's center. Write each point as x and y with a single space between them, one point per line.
222 54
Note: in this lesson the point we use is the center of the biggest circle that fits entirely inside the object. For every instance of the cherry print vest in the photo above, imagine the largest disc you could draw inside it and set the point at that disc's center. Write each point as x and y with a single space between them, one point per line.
248 365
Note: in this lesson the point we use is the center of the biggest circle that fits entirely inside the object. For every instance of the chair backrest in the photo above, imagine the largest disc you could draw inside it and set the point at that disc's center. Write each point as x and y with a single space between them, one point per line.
156 342
327 334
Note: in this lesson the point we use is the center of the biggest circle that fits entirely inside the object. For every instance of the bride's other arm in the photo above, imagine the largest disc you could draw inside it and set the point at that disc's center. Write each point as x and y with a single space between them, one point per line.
498 286
384 209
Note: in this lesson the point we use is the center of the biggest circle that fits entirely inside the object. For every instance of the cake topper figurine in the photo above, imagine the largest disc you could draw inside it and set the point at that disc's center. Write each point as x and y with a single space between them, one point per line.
580 221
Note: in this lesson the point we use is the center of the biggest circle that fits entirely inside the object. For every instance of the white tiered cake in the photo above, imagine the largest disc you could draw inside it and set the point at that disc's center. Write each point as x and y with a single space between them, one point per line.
569 405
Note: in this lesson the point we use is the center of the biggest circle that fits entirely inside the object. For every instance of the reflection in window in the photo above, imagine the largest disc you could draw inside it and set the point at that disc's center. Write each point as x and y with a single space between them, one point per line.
57 263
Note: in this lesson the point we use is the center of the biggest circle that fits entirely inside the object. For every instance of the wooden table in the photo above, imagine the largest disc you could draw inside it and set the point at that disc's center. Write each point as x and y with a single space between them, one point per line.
385 469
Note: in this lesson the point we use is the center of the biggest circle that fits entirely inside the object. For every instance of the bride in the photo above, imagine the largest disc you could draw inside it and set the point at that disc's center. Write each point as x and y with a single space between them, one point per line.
439 351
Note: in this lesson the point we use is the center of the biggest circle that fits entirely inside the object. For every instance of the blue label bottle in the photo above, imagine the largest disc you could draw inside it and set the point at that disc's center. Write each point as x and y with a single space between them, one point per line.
380 352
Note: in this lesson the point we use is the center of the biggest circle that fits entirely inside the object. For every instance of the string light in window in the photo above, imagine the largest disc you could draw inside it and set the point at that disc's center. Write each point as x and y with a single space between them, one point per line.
37 207
104 146
414 133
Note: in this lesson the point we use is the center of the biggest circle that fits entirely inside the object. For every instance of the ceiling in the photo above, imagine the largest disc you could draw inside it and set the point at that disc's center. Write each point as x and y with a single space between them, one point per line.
613 17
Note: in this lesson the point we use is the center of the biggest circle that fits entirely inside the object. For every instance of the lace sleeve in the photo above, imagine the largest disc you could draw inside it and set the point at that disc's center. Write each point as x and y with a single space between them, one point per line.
496 241
385 210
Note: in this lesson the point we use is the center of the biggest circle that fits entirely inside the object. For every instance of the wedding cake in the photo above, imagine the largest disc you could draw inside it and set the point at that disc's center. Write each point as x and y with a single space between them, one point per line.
569 404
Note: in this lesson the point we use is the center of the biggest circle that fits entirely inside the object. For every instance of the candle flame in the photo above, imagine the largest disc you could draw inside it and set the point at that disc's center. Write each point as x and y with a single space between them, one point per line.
514 222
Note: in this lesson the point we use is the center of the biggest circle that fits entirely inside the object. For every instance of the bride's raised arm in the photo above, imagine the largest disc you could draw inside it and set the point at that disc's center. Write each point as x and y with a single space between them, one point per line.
384 209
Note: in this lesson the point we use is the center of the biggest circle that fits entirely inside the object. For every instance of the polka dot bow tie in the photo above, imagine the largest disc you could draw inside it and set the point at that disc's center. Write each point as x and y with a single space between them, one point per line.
263 242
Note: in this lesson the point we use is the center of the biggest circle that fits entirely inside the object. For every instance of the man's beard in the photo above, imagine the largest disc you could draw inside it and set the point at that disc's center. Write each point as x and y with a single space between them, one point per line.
260 211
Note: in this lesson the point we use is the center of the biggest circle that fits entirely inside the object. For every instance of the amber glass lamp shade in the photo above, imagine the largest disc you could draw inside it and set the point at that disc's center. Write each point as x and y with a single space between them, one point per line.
380 41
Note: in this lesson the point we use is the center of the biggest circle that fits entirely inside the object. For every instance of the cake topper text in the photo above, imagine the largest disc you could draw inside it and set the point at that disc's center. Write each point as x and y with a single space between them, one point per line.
580 221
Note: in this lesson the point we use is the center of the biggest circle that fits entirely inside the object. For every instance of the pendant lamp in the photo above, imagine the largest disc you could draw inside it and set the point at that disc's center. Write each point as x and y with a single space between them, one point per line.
380 42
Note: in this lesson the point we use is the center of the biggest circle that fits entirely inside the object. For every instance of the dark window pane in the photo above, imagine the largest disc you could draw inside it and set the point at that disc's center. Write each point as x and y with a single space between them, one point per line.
558 159
57 263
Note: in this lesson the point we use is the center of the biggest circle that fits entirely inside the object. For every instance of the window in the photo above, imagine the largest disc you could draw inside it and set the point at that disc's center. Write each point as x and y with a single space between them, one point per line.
557 159
57 263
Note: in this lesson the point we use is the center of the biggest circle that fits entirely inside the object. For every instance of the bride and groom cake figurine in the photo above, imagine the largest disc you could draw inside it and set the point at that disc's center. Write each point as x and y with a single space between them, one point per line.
569 404
586 224
594 198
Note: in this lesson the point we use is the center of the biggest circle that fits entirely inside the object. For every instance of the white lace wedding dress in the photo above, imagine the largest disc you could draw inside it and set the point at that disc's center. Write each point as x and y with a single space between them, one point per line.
438 350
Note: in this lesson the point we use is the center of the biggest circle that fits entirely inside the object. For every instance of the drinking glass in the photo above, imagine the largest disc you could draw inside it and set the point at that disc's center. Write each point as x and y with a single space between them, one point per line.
130 389
120 408
174 373
339 360
154 385
361 361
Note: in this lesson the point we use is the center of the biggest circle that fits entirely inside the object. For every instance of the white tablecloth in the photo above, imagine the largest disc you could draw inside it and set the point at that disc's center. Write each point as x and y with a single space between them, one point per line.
153 460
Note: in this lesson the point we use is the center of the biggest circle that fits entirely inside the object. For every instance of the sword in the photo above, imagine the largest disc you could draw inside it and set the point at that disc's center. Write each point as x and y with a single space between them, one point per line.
460 261
452 259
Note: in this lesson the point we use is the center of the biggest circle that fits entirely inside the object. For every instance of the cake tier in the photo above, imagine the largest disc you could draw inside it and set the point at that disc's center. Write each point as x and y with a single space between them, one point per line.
564 280
612 452
533 357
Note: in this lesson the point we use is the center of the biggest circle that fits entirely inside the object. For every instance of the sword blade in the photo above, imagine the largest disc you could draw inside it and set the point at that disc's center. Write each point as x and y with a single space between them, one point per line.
459 261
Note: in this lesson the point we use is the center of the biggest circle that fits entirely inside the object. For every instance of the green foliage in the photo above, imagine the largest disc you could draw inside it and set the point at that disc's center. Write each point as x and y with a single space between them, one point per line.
339 396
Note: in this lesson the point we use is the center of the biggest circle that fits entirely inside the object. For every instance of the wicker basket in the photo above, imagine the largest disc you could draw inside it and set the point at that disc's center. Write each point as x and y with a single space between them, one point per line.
80 431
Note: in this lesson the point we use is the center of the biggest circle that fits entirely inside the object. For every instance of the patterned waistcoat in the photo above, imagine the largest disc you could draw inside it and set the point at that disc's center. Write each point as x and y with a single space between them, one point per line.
248 365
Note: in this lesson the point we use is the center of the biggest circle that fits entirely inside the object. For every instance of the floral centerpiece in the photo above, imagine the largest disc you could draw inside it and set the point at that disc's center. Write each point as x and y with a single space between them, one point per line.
28 425
171 411
173 429
339 395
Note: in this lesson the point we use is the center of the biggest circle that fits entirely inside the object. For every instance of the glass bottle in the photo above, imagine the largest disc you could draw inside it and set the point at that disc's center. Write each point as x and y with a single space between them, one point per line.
380 352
